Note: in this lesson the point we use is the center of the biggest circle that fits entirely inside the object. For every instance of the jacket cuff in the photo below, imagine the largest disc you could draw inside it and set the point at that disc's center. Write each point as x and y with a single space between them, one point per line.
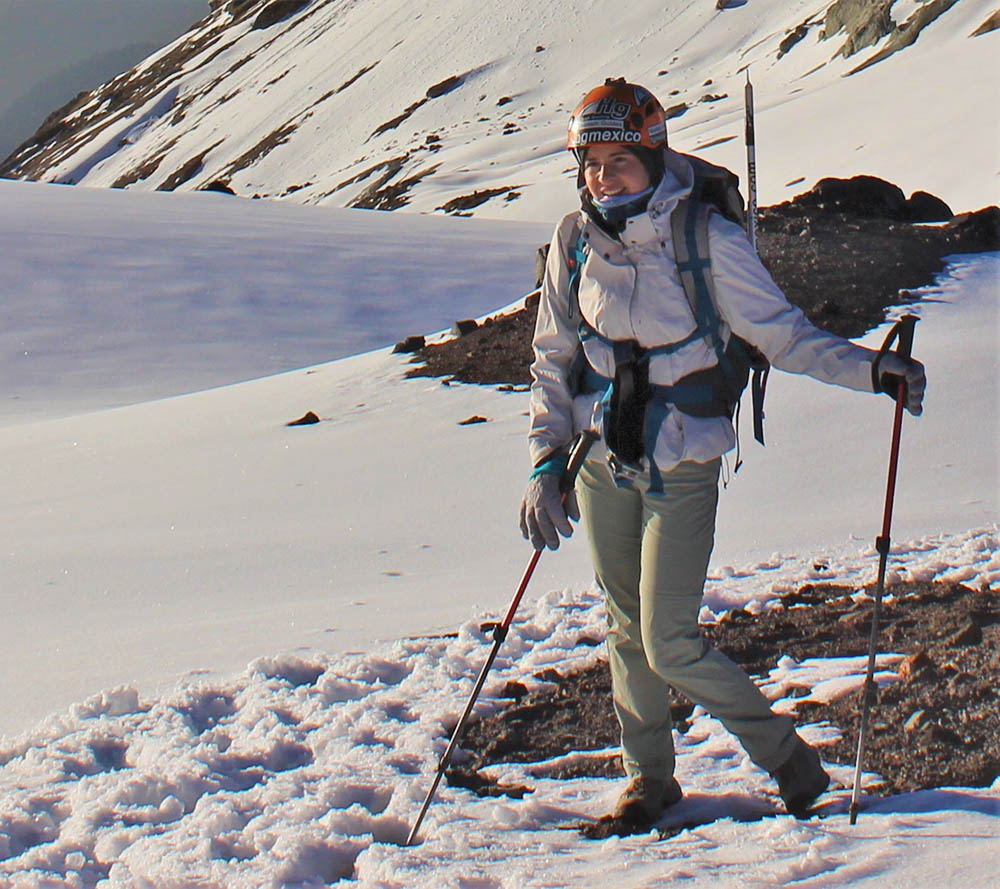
554 464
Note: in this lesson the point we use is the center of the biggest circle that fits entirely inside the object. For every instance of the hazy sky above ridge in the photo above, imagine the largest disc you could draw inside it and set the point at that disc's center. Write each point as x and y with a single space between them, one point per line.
50 50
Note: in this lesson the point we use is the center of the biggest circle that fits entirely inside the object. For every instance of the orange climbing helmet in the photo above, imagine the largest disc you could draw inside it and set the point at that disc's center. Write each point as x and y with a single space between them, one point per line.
620 113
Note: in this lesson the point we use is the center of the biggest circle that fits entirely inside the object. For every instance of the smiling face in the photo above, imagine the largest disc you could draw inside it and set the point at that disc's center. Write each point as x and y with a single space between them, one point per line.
611 169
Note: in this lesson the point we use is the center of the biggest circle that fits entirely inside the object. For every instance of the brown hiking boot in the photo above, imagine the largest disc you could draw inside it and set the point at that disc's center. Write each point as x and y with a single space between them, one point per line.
801 779
645 799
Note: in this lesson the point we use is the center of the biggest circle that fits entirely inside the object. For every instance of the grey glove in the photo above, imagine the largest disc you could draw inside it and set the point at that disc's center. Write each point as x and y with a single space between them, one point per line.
543 512
891 368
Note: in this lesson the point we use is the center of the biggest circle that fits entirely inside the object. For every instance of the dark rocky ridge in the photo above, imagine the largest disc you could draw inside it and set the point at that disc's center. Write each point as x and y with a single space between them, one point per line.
845 252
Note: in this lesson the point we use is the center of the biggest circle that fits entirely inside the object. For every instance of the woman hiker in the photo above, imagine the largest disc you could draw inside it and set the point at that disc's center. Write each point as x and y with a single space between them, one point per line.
616 346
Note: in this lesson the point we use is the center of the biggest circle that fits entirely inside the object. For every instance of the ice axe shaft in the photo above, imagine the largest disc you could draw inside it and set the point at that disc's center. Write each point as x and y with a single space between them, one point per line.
904 330
751 142
577 456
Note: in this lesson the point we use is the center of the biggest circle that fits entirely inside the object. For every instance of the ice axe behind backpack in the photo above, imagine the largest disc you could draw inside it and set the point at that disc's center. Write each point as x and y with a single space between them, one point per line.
577 455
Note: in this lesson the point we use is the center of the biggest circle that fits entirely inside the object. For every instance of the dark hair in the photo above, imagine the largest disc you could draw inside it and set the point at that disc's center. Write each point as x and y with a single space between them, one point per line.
652 160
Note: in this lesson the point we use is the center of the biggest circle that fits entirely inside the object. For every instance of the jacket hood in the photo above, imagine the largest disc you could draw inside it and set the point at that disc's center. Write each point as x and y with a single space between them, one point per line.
676 184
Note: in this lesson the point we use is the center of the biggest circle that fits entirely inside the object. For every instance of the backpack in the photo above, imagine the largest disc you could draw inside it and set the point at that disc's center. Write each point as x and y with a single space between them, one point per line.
714 391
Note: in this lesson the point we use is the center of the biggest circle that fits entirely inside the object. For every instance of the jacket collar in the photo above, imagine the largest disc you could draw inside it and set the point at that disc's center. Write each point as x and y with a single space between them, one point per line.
676 184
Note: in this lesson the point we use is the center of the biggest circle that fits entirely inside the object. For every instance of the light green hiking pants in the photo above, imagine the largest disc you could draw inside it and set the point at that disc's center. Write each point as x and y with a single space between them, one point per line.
650 554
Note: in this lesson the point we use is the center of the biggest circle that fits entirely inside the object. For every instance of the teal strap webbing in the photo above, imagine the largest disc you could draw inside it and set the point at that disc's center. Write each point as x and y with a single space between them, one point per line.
577 258
679 394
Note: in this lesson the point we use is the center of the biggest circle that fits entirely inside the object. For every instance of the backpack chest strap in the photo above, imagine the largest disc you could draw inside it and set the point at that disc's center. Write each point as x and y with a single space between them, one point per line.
586 332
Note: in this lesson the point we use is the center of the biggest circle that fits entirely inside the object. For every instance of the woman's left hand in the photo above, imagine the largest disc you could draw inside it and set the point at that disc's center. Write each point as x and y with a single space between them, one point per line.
892 369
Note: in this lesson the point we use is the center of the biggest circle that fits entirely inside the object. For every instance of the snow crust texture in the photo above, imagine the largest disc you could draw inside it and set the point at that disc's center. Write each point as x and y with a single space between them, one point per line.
308 770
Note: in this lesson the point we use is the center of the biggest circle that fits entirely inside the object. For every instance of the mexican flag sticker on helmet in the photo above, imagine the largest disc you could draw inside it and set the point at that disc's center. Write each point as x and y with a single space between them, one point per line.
618 112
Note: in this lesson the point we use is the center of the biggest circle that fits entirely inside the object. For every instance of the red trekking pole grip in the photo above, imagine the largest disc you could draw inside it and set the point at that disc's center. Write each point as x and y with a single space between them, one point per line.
903 331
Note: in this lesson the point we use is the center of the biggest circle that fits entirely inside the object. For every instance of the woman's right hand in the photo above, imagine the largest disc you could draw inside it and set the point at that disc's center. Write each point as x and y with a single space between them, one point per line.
545 514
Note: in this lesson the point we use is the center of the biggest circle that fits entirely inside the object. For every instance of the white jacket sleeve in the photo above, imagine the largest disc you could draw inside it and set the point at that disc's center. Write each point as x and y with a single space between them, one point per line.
755 308
555 345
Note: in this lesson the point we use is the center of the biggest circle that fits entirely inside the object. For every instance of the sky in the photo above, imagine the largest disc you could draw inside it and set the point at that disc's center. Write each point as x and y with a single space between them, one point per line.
50 50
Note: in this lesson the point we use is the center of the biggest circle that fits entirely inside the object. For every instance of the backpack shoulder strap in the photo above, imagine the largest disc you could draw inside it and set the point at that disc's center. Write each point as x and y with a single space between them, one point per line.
577 257
689 230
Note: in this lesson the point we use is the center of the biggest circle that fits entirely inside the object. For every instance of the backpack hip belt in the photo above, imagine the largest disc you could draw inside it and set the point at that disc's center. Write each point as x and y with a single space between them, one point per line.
633 409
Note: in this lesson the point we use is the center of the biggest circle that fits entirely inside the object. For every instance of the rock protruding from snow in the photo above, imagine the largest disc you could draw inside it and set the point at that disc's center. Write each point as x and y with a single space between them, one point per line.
865 22
872 197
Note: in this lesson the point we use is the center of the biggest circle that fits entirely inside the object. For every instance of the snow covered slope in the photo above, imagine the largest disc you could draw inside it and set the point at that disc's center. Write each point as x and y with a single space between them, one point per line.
462 107
198 532
118 298
231 649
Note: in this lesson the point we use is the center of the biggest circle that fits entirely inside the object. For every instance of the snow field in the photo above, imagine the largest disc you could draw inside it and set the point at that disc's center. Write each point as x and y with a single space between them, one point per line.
307 768
812 119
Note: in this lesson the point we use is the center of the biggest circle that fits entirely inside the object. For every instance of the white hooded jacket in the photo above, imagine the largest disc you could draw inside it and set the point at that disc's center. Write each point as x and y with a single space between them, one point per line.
630 289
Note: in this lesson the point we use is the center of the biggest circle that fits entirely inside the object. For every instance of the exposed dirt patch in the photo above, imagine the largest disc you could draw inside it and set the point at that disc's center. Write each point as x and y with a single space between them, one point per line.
991 24
387 169
145 169
445 86
398 119
499 351
263 148
386 195
349 82
277 11
186 171
478 198
935 726
792 37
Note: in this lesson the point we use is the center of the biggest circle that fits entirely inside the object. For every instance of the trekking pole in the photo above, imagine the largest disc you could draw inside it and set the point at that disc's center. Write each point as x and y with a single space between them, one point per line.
751 141
904 329
576 458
